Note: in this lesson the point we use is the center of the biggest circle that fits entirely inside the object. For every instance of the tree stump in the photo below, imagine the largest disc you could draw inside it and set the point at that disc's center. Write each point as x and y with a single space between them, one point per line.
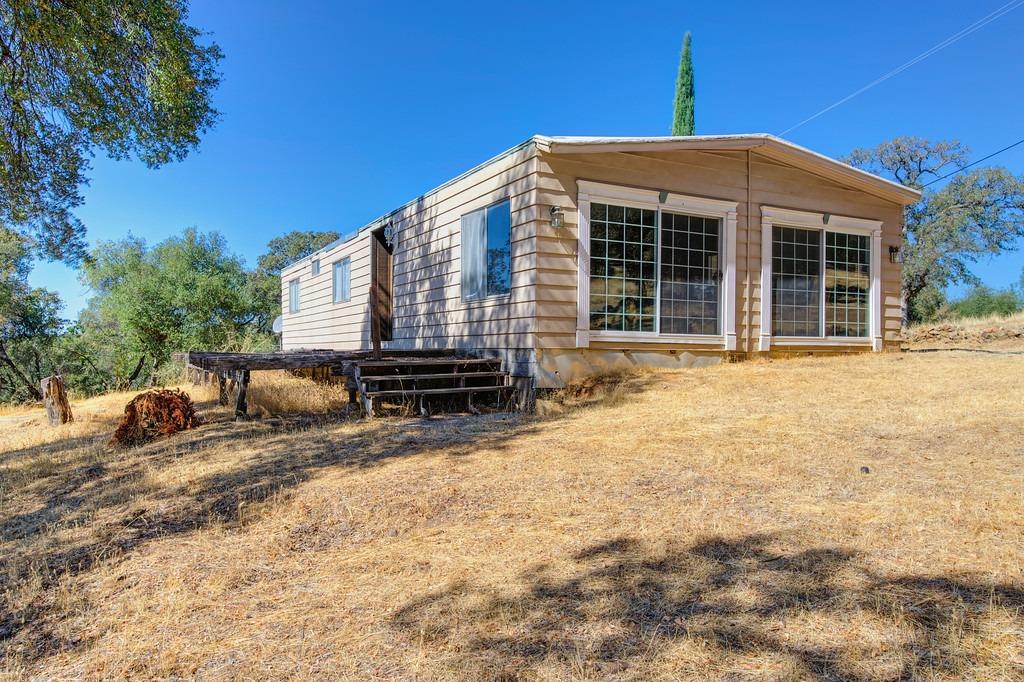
55 399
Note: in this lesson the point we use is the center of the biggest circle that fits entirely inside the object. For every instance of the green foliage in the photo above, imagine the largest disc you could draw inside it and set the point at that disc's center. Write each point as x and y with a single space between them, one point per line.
983 301
978 213
186 292
264 281
129 77
682 114
30 323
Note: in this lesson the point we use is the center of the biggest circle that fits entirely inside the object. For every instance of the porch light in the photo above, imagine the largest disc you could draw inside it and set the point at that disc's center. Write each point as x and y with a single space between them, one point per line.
894 254
557 216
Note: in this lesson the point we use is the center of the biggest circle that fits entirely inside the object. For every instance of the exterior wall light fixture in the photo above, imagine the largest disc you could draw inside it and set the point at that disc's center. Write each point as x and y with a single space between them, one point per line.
557 216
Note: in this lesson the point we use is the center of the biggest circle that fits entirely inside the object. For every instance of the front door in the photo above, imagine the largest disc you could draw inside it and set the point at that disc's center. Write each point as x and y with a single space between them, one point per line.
381 255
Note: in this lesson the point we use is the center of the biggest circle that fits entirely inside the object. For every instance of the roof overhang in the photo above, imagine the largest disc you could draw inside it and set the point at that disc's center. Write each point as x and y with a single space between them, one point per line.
764 144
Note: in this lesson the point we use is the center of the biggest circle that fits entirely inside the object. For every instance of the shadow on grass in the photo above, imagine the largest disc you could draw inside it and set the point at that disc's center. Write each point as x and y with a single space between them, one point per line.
713 608
275 456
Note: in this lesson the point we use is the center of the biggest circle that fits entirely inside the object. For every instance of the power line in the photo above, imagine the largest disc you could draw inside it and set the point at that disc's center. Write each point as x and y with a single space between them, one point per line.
962 33
974 163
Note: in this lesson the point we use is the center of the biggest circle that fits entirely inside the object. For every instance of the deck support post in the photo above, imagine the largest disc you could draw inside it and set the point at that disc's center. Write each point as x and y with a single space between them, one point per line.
222 389
241 408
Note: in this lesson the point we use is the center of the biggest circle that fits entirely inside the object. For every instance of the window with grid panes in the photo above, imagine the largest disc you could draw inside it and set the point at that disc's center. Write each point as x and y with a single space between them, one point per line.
690 278
623 268
847 284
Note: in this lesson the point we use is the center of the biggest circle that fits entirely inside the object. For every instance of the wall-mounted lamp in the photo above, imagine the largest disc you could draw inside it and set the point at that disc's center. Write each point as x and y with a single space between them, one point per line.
557 216
894 254
825 217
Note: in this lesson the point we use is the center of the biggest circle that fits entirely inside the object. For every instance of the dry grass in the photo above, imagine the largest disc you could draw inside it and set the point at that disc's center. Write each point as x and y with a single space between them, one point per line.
995 332
704 524
279 392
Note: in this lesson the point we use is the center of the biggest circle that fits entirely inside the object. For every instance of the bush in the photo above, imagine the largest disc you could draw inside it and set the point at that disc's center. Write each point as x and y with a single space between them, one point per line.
982 301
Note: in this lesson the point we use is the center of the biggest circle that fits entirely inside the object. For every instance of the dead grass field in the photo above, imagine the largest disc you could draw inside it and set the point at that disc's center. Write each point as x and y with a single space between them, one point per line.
703 524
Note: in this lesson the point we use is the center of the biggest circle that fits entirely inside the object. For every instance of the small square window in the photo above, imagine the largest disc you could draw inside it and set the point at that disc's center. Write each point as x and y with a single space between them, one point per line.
316 266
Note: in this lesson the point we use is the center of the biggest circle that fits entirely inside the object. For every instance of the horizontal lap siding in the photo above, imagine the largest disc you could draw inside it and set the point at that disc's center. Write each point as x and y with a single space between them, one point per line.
428 311
428 308
321 323
716 175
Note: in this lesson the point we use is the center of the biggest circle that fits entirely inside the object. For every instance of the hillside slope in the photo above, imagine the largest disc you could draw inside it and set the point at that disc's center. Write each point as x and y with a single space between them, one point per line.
854 518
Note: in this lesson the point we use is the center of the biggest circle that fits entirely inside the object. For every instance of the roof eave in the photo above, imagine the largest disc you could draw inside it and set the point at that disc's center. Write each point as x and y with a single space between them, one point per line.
766 144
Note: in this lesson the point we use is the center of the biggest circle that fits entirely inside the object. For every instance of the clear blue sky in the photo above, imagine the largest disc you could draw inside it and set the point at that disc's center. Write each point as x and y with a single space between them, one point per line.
334 113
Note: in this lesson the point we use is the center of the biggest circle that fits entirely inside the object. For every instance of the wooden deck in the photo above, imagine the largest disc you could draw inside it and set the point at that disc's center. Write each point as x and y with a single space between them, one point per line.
410 377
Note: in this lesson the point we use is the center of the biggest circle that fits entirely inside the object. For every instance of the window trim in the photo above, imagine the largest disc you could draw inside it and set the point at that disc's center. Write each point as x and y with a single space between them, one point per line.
292 309
772 216
334 280
632 197
511 226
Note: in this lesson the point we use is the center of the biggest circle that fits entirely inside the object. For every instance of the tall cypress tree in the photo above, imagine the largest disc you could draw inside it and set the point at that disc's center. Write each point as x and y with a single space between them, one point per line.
682 116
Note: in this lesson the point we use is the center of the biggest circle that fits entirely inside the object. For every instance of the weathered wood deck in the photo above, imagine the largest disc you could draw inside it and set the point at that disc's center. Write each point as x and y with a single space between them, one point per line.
422 373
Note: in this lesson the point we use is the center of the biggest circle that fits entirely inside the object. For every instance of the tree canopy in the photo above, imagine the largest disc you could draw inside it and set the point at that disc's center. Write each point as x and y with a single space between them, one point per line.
130 77
185 292
976 213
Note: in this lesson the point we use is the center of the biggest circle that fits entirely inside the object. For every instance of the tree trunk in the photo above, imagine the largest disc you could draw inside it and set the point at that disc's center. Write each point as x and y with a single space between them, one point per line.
6 359
138 369
55 400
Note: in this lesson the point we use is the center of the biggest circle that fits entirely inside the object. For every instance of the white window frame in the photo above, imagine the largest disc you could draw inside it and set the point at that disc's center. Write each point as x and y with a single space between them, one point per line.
294 305
334 280
314 267
486 297
823 222
656 200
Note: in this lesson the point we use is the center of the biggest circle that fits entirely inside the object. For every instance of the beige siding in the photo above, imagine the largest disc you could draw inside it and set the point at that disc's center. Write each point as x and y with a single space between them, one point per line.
428 310
716 175
534 326
321 323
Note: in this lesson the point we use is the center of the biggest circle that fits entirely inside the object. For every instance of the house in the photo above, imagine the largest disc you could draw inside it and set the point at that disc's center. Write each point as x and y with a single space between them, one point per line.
567 256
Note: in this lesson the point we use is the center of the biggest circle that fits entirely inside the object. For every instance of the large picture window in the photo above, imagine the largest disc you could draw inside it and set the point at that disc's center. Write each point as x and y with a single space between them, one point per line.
690 277
623 267
847 284
487 252
821 282
654 271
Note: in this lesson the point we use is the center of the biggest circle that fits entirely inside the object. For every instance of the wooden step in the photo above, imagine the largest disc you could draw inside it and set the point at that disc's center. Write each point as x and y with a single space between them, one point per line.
444 375
427 361
440 391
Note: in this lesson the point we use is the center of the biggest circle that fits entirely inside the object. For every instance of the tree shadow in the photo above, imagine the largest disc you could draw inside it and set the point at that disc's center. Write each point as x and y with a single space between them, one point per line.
278 456
621 608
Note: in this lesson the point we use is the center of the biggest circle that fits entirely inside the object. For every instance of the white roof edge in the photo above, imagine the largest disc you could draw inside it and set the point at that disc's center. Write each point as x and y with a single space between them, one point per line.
376 222
681 142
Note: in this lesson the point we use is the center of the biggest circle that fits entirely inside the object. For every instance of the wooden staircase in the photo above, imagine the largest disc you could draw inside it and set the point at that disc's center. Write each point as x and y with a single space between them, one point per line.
433 384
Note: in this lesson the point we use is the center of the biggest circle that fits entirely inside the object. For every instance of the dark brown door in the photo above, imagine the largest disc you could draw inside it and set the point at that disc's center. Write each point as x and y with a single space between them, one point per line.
380 289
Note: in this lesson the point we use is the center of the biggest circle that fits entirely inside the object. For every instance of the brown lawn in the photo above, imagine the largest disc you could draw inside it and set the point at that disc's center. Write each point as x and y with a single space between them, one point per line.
841 518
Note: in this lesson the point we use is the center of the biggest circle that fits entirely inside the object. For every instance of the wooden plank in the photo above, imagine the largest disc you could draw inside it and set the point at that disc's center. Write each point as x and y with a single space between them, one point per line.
441 391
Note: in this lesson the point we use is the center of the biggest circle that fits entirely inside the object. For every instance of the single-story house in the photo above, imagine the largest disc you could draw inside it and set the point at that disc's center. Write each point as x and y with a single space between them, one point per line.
567 256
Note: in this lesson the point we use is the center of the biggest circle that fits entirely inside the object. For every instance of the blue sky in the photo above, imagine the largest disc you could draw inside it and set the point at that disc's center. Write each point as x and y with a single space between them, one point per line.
334 113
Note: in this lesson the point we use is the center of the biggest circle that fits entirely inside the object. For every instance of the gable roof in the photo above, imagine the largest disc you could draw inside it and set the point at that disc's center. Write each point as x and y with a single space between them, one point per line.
765 144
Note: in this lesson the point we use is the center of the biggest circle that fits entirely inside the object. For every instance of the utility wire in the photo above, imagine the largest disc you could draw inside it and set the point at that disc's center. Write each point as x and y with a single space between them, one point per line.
962 33
973 163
